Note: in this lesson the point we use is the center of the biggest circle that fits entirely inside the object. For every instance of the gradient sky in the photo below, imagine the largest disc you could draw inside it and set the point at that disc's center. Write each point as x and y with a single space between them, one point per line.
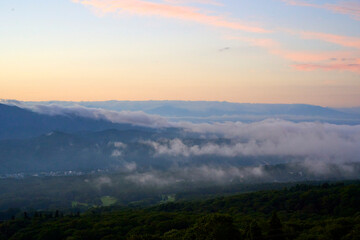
256 51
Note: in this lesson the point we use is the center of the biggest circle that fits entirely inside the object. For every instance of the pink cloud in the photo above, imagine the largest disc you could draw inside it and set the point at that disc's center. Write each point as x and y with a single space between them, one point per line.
167 10
328 67
273 47
345 41
341 40
308 60
300 3
210 2
351 8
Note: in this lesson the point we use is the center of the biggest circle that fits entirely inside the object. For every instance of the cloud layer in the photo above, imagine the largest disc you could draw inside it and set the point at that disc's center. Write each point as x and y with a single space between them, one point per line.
320 141
271 137
228 174
137 118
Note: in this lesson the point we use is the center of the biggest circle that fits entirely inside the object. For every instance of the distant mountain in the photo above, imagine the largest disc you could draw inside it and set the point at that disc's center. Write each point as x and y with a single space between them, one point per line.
16 123
353 110
202 111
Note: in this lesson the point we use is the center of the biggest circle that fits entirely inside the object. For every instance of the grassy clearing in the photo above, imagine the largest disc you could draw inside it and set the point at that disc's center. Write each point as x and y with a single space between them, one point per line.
108 201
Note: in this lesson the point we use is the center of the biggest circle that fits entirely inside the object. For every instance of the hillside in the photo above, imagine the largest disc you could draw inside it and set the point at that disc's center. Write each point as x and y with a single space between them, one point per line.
328 211
17 123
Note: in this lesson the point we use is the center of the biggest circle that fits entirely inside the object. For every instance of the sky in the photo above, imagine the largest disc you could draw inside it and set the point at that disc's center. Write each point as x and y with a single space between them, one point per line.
250 51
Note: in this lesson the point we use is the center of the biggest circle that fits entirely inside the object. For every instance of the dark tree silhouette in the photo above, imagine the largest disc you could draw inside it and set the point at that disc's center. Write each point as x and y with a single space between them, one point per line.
214 227
275 228
254 232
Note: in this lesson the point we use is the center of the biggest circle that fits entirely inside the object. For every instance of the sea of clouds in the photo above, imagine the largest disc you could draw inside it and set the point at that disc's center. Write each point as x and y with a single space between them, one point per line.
319 144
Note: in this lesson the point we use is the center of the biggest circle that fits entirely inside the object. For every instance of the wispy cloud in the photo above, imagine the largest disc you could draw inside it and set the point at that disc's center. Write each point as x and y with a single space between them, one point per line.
166 9
301 60
345 41
204 173
299 3
328 67
275 48
351 8
210 2
308 60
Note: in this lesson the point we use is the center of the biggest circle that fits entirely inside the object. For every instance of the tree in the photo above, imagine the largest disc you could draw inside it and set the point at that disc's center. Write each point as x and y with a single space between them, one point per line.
253 231
214 227
275 230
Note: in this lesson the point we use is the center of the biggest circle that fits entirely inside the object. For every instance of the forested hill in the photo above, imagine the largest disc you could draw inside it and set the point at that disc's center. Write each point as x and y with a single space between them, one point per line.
330 212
